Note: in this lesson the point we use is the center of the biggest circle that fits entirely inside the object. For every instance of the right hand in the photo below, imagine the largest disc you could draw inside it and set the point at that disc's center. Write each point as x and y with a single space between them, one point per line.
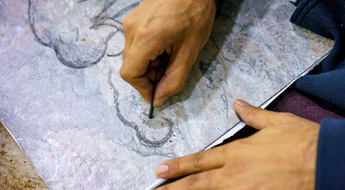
179 28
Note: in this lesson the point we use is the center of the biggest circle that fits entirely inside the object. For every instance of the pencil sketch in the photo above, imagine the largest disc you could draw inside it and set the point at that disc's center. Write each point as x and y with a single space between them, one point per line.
79 41
163 127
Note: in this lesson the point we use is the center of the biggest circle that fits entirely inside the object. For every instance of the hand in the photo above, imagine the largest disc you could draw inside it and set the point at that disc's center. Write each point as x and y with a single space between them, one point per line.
180 28
282 155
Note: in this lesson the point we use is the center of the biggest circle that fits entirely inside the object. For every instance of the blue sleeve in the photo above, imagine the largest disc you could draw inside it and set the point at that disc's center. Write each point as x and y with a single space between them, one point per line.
326 86
330 170
219 4
326 83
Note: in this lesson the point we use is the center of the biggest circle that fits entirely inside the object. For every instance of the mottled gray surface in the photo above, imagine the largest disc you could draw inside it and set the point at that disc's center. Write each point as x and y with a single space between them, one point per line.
84 128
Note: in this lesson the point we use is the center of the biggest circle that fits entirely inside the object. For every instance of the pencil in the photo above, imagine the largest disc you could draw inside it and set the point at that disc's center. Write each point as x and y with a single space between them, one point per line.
153 95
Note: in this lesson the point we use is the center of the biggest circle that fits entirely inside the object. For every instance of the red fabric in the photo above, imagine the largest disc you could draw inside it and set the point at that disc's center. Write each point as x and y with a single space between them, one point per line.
296 103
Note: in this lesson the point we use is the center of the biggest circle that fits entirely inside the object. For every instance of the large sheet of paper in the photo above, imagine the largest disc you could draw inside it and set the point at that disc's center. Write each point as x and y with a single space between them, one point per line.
83 127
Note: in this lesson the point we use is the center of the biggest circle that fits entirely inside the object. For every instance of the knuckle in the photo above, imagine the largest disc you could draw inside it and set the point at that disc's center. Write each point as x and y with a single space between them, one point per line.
191 181
208 180
252 116
178 86
143 32
125 74
197 160
177 165
127 23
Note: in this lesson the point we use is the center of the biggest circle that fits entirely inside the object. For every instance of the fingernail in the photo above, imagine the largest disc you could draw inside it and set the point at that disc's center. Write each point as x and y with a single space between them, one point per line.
160 101
242 102
161 170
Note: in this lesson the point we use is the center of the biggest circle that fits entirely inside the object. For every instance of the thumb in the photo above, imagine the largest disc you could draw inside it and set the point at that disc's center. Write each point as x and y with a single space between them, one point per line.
256 117
175 75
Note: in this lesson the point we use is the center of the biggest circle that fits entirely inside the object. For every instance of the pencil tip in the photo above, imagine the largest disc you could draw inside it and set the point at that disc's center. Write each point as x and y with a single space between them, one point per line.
151 111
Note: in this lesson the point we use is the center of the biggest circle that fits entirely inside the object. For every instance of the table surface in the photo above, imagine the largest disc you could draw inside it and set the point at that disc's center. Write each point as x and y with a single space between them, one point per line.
261 43
16 171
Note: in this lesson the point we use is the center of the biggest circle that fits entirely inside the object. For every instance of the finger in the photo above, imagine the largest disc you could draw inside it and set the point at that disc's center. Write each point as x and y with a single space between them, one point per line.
144 49
201 161
257 117
152 73
156 63
160 73
176 74
134 71
135 77
201 181
129 27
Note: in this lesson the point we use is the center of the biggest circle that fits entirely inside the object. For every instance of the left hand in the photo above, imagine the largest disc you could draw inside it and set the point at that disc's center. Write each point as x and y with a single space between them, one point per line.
282 155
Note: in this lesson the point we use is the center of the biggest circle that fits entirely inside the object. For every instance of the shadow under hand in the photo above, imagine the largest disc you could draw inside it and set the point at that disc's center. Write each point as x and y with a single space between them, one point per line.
207 60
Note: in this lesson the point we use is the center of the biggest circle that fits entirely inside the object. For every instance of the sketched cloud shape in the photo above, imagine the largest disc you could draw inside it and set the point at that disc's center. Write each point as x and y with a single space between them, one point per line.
144 136
78 31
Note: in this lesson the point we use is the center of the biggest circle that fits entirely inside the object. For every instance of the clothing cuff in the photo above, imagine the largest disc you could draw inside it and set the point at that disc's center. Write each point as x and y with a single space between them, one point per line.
330 170
219 4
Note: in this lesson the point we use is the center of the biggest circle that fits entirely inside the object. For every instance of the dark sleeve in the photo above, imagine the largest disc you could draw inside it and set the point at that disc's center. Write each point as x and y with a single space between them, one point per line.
330 170
326 83
219 4
326 86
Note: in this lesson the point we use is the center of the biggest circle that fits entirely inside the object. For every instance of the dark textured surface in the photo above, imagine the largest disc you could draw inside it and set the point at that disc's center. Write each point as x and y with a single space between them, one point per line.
296 103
